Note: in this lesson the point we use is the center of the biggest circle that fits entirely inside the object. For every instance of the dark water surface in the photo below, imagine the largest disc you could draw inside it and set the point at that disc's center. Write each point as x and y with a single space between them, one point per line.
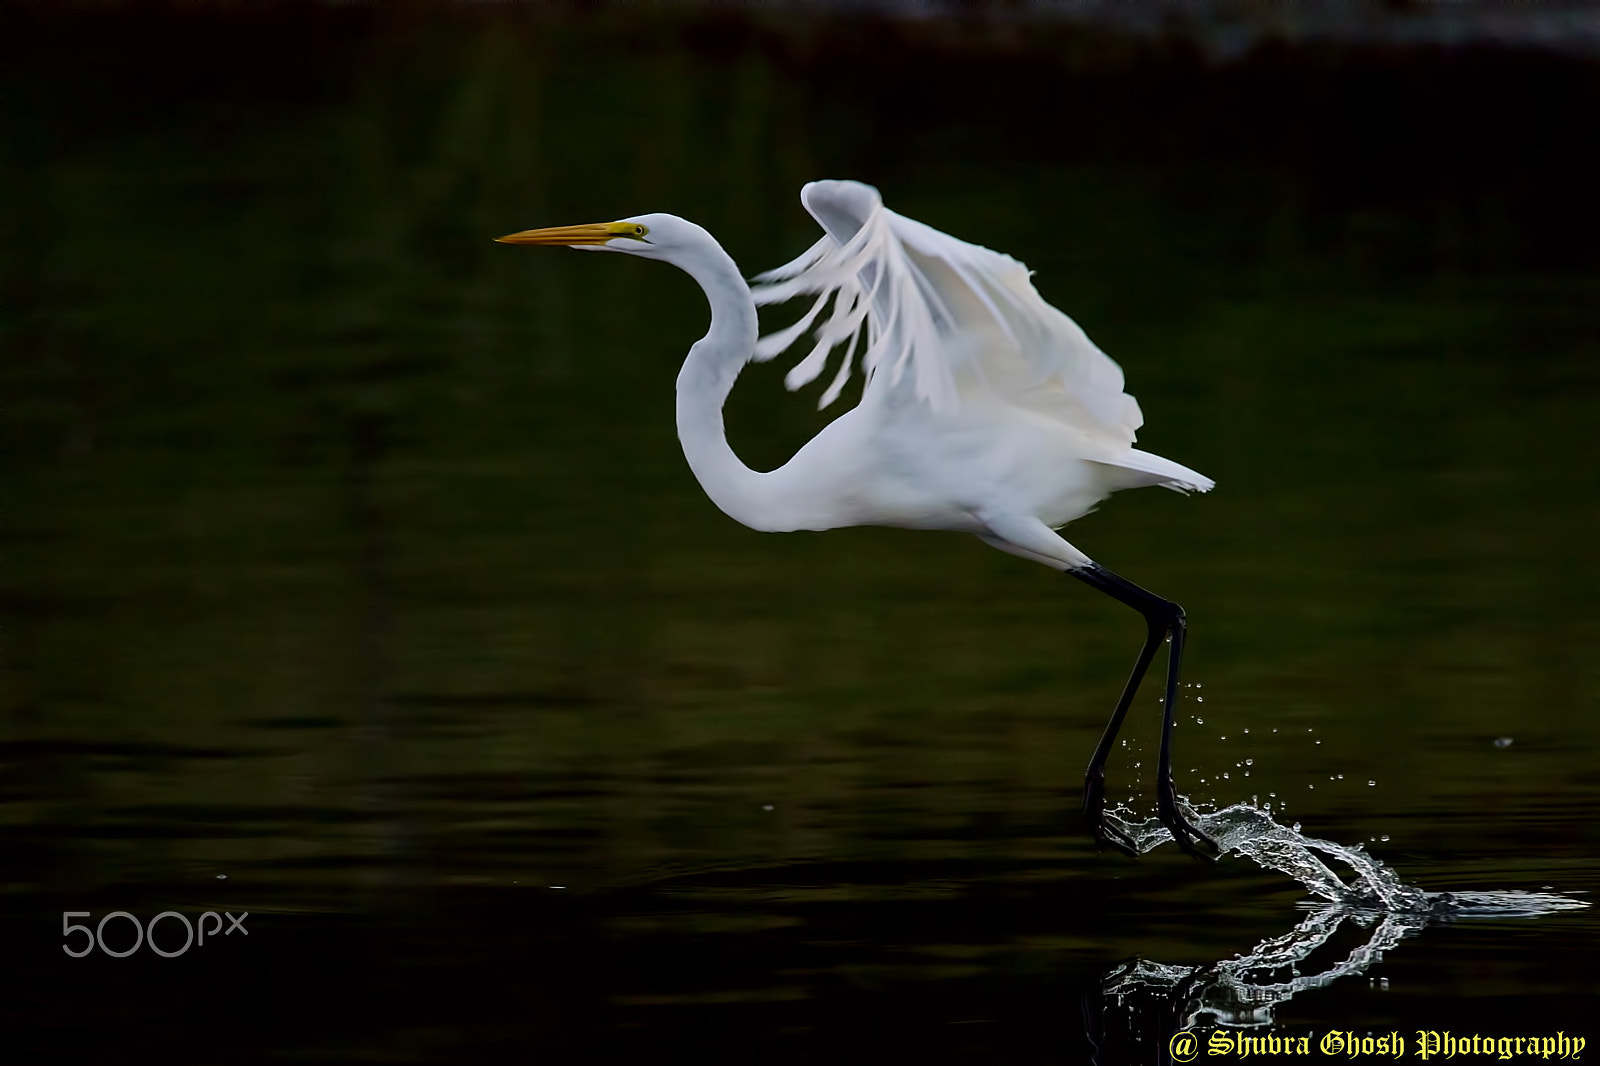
353 577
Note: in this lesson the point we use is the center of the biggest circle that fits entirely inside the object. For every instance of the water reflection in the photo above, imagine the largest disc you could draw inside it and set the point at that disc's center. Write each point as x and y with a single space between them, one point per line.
1245 990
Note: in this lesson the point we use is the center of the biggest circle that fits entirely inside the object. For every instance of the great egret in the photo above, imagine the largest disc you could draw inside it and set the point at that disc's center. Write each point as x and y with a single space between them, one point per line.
984 410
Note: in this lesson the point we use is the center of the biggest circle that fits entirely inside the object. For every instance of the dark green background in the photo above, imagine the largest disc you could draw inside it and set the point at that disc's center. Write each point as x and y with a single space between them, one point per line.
352 556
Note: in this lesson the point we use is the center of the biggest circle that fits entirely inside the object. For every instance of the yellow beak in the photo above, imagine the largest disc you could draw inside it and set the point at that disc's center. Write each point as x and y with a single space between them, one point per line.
591 233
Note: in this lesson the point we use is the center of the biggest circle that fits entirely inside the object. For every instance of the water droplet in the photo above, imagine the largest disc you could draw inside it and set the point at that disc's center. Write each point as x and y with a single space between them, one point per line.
1372 784
1311 786
1224 775
1341 777
1200 721
766 806
1319 742
1199 699
1249 762
1383 836
1502 742
222 877
1296 827
1247 730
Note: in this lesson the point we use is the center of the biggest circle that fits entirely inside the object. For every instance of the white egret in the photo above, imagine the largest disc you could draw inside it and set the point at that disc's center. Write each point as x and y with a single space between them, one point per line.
984 409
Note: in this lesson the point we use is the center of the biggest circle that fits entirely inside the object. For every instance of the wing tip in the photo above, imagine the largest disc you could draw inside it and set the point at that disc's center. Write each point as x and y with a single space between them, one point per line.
842 191
841 206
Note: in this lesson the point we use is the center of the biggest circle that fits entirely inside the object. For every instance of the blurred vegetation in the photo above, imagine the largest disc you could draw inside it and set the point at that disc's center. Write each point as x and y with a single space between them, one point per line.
333 529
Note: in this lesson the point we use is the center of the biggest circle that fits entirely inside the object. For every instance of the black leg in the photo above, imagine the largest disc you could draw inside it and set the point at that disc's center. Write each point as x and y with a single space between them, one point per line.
1165 621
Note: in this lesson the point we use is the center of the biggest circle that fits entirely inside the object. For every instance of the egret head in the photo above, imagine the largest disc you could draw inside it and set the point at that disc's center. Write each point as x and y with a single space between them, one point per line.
655 236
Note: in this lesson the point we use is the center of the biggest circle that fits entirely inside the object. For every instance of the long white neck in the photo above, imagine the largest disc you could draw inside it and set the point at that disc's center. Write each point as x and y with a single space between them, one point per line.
752 498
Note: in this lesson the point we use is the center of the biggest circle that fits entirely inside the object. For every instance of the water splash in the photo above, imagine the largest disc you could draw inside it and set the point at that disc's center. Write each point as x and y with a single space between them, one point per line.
1251 832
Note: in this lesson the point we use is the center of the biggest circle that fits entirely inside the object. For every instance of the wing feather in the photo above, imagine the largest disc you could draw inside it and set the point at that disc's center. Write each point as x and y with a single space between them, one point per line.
956 317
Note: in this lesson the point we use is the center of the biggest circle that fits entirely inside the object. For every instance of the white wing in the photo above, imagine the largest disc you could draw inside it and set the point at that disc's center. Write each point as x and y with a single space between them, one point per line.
956 316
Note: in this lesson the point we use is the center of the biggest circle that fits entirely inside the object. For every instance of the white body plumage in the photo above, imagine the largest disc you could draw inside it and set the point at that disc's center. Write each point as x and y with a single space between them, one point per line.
985 409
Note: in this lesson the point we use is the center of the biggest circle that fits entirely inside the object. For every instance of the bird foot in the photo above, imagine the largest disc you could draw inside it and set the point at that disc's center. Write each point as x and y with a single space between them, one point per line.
1189 839
1094 809
1106 834
1176 819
